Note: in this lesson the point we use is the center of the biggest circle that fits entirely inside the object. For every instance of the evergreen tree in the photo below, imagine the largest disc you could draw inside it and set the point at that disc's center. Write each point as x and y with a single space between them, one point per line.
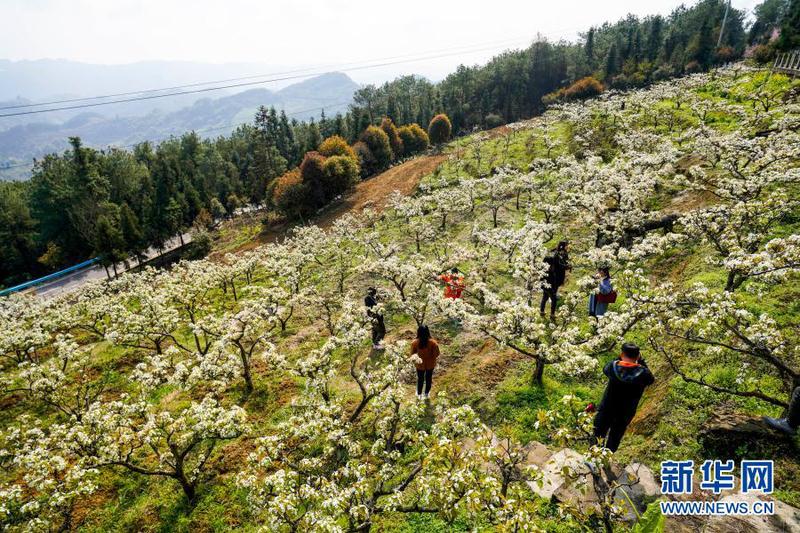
340 127
108 241
17 233
654 38
703 45
790 29
612 61
132 234
313 136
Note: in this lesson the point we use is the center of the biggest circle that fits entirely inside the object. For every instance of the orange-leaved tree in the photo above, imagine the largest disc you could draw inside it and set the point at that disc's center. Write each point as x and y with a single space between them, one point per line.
439 129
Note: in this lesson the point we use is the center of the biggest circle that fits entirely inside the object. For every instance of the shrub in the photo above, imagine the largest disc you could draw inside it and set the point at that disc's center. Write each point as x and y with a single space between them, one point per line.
553 97
314 178
395 142
414 138
217 209
203 220
366 161
200 246
341 173
53 257
378 143
232 203
493 120
763 53
439 129
336 145
692 67
664 72
725 54
290 194
587 87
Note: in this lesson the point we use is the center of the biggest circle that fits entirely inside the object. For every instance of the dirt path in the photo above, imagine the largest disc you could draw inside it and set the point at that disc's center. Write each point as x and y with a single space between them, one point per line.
375 191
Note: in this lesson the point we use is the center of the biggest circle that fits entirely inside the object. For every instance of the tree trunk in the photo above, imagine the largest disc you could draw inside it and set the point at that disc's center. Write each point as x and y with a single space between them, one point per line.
248 378
730 285
188 488
538 373
180 235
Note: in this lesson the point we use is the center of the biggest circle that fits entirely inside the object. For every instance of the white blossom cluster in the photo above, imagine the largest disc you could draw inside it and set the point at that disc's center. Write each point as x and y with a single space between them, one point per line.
632 186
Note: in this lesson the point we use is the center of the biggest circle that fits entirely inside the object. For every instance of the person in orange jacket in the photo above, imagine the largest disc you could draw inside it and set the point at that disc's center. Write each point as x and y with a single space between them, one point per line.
453 283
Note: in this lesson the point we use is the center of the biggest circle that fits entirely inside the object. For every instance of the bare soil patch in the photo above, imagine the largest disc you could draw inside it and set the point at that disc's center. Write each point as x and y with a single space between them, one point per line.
371 193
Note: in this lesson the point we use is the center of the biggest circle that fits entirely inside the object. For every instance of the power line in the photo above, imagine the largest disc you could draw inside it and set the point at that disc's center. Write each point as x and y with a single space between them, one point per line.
198 84
387 63
236 85
260 82
146 91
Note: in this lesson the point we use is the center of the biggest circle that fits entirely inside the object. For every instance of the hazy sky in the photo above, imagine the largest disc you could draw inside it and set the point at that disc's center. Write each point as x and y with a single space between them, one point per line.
298 32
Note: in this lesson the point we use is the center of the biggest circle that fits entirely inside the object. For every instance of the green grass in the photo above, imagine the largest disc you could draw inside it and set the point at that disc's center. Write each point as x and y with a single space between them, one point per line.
673 411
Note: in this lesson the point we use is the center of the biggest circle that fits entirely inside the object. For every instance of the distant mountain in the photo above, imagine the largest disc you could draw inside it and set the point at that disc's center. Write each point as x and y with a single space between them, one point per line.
332 92
48 79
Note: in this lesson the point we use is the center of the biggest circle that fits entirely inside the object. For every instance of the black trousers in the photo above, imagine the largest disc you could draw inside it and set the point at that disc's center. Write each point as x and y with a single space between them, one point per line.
611 427
378 330
426 377
549 293
794 409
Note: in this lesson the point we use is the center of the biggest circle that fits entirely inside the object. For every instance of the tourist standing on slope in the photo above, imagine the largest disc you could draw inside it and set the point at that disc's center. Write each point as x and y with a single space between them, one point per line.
598 301
791 423
378 326
557 265
427 351
627 378
453 283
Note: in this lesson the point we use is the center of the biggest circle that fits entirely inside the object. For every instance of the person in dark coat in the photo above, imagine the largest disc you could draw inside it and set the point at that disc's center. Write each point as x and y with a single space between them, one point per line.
628 376
557 266
378 326
791 423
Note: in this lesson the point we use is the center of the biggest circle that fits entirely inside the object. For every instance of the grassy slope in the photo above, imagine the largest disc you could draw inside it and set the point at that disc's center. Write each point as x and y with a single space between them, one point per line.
494 381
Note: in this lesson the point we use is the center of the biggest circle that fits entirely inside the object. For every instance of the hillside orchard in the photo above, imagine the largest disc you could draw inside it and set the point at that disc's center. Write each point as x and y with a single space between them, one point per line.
242 391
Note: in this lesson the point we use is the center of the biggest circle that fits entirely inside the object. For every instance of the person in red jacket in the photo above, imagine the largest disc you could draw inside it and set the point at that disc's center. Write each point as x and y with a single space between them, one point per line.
453 283
427 350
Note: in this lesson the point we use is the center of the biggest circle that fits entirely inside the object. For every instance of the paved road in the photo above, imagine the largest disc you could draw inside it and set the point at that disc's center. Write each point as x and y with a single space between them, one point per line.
74 280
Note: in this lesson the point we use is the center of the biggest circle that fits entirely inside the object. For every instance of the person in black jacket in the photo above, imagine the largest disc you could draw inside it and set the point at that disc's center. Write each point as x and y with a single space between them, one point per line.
378 326
557 266
627 378
791 423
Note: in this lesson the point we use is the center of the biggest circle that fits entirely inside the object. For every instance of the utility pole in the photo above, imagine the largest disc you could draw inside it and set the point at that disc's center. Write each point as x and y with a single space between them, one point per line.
724 20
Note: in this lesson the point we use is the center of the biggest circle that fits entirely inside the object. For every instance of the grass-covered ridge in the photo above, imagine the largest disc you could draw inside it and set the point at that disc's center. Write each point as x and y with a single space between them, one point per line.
242 392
